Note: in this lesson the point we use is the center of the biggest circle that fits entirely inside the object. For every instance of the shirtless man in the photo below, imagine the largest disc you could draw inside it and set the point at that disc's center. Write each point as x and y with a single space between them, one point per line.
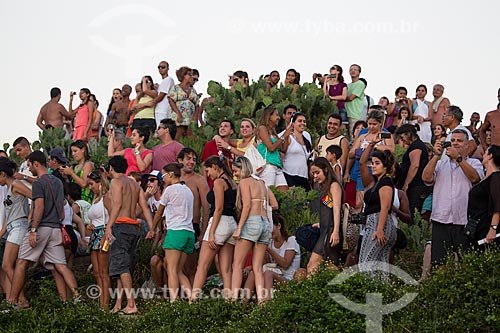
123 229
120 109
491 122
199 186
439 105
53 113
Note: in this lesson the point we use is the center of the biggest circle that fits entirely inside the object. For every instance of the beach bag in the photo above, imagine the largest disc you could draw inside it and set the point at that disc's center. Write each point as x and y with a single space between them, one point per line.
256 159
307 236
349 230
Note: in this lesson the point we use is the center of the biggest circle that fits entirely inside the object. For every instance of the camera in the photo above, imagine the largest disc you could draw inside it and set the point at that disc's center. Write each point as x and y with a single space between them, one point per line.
72 93
359 218
332 76
385 135
446 144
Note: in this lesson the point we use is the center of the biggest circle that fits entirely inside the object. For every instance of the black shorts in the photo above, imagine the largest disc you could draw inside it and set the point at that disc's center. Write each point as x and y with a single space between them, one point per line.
447 238
297 181
121 251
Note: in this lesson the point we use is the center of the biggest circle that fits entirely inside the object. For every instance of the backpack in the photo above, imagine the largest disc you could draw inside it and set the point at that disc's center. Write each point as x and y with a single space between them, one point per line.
307 236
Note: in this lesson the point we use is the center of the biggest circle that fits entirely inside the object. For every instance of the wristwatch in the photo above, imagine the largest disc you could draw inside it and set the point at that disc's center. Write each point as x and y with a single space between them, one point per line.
229 148
32 230
494 227
25 177
459 159
137 152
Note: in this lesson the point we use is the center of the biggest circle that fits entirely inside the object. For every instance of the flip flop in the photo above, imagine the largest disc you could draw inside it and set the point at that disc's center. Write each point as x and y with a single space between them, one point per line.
123 313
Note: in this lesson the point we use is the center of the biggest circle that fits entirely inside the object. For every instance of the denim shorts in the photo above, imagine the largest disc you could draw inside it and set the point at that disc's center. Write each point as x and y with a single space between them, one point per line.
256 229
16 230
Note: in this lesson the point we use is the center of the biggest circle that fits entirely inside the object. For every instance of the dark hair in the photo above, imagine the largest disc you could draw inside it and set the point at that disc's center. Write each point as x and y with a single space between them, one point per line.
37 156
359 67
290 106
221 162
241 75
195 72
356 124
494 150
385 97
399 89
82 145
175 168
181 72
144 132
21 141
3 152
95 100
73 190
8 166
278 219
54 92
421 86
324 165
404 108
410 129
443 129
376 115
296 115
340 78
362 79
113 100
297 76
265 116
119 164
186 151
231 124
456 112
95 175
170 125
274 71
375 107
387 159
335 150
335 116
87 91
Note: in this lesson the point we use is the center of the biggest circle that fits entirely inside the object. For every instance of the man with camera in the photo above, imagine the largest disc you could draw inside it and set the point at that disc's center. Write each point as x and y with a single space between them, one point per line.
452 178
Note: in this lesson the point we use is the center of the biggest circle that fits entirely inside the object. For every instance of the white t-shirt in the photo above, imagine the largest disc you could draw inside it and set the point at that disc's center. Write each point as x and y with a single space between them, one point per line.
305 134
295 161
163 106
68 214
178 201
290 244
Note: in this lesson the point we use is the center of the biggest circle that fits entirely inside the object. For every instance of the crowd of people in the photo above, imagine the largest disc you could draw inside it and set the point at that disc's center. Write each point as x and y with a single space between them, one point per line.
54 209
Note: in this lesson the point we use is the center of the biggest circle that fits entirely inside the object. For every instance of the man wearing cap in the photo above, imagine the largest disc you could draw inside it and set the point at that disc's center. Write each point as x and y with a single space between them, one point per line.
57 160
167 151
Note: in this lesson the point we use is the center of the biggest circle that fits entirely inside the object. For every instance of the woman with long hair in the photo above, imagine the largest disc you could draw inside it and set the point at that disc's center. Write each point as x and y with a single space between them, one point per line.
484 199
79 173
422 114
328 205
139 158
380 231
99 216
269 146
143 106
177 203
292 79
183 100
16 216
297 150
400 100
84 114
254 229
438 133
336 90
218 238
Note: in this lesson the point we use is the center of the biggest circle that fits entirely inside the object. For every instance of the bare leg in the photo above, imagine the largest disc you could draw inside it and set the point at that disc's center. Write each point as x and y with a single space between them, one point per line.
249 286
190 266
119 296
68 276
426 265
126 279
8 266
61 287
156 264
173 258
103 262
314 262
259 252
225 261
183 279
241 250
207 255
18 280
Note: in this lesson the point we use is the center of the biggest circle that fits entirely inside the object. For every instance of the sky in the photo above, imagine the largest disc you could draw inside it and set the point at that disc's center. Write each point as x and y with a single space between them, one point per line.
104 44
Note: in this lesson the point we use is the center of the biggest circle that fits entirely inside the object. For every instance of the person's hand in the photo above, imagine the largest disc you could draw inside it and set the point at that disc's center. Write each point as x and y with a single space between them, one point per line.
452 152
376 139
347 178
405 188
90 226
179 118
491 236
420 119
66 170
315 225
18 176
380 237
438 147
83 242
150 234
236 234
108 234
33 239
211 242
288 130
334 238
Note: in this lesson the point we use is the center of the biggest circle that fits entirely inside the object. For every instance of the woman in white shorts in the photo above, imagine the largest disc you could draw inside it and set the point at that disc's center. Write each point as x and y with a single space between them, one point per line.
254 229
16 215
221 226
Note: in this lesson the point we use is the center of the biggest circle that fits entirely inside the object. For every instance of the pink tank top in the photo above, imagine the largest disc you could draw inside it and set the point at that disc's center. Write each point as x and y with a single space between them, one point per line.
82 116
132 160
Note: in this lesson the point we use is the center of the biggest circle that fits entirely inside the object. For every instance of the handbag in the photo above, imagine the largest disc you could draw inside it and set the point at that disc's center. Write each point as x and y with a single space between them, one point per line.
471 227
307 236
66 239
349 229
258 162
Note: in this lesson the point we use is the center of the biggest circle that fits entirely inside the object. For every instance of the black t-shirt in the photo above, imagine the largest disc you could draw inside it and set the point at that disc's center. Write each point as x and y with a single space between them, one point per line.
484 201
372 197
406 163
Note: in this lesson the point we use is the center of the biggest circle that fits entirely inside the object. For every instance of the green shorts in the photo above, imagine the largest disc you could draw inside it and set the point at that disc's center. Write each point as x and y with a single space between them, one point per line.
180 240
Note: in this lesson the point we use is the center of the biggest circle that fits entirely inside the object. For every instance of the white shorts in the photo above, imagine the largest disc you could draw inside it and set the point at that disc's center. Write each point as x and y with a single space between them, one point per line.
224 232
273 176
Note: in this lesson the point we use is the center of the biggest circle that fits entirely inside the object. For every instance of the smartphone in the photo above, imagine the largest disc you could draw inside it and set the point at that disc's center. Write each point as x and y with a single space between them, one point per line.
446 144
385 135
333 76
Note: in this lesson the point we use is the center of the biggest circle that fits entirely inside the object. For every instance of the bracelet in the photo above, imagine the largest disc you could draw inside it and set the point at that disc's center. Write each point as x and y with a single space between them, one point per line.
282 139
229 148
137 152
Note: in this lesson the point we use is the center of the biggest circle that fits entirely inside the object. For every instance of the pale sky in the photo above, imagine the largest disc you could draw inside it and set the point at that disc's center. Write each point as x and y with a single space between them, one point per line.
104 44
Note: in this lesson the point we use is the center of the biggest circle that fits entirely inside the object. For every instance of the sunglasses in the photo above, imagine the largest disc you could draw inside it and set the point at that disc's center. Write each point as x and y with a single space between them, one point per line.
161 127
152 180
7 201
162 67
195 79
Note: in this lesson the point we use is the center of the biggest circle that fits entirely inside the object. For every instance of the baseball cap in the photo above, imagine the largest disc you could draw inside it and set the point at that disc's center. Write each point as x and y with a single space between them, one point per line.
58 154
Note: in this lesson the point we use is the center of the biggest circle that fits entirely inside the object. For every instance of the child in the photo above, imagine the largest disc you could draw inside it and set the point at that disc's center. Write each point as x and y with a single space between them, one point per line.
404 116
333 154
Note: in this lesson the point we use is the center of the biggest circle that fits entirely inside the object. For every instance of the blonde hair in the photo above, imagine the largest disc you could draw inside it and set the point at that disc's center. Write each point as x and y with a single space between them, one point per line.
242 163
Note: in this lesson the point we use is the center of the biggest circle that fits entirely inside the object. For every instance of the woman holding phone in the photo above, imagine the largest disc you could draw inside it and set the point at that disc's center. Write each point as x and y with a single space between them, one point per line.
336 89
